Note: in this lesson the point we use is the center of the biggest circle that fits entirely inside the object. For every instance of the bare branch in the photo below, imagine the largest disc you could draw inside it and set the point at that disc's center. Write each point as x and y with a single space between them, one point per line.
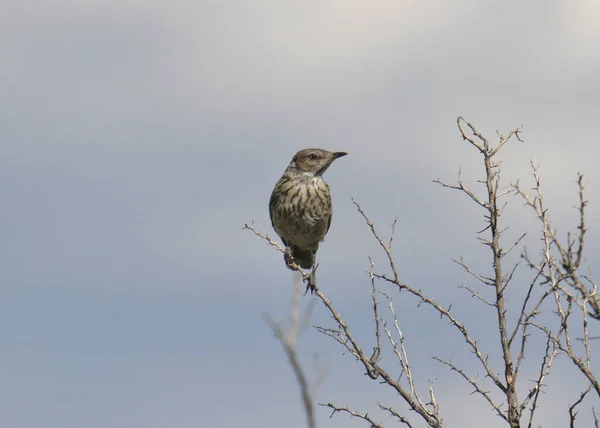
393 234
477 295
483 279
557 274
373 369
398 416
476 387
581 227
503 139
492 184
381 243
352 413
572 413
377 348
482 145
460 186
429 301
534 393
400 350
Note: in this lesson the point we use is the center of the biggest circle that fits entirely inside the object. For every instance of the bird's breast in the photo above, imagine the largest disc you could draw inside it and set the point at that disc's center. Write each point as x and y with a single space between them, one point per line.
301 210
308 195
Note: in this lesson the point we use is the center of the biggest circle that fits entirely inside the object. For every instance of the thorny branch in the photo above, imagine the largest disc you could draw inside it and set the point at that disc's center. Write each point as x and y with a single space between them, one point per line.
377 347
572 412
343 335
559 268
492 183
400 352
352 413
445 313
555 278
569 259
475 385
534 393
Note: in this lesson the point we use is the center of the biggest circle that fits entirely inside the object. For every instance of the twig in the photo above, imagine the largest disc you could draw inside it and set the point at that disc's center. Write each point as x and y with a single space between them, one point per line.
572 413
476 387
352 413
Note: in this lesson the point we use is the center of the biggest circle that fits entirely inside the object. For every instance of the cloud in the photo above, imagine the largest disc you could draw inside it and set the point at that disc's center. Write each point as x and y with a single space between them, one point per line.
138 137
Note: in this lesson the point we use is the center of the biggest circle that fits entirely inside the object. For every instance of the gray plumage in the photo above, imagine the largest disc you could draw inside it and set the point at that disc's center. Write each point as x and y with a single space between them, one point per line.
300 205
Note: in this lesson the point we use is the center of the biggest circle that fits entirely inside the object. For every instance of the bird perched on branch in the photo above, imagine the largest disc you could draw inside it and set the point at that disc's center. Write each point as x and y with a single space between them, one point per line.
300 205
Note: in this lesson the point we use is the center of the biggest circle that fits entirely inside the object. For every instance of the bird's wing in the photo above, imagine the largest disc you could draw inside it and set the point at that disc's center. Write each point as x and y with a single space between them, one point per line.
272 203
329 209
328 224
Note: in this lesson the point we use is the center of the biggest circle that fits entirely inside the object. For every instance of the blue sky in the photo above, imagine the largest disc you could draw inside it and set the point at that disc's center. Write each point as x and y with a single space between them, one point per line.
139 136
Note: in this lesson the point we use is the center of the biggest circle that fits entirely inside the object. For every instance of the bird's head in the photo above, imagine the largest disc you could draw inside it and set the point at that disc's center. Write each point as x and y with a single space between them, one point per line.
314 161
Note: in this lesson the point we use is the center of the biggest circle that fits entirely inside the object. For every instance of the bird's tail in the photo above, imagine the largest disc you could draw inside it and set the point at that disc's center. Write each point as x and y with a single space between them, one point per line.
304 258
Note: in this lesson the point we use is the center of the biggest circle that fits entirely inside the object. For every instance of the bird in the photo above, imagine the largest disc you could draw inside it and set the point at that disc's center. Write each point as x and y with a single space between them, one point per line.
300 205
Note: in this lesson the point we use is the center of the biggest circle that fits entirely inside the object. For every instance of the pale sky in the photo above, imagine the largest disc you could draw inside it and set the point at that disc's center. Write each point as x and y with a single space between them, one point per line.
139 136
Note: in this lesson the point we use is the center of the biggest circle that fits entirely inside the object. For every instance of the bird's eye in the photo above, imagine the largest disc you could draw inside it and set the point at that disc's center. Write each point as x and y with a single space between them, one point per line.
313 156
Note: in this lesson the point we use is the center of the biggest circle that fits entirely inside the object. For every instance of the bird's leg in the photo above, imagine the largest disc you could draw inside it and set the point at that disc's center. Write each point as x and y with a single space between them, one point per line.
311 280
287 257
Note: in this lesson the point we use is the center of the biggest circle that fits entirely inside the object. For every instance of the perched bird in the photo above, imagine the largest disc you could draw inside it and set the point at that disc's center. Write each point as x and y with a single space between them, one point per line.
300 205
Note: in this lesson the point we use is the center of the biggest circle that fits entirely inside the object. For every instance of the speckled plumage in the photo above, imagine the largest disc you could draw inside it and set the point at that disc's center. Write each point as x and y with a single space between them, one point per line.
300 205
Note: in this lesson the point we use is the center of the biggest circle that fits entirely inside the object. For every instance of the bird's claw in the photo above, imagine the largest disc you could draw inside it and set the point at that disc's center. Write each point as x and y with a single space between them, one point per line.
311 281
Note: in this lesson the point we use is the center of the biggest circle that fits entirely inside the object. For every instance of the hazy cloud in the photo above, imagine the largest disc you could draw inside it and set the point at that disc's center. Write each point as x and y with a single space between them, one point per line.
138 137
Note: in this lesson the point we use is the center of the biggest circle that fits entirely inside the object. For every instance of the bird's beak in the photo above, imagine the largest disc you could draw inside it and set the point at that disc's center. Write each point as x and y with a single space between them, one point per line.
328 164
